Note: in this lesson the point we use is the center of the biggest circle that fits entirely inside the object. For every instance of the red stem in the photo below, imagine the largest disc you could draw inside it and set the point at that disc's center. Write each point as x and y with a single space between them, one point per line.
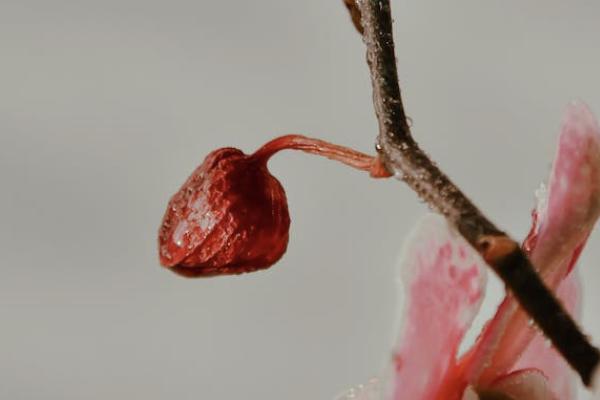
345 155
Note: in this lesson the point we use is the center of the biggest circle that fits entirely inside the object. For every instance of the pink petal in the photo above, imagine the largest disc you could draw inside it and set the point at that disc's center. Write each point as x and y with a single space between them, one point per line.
539 354
573 203
444 283
562 222
470 394
530 384
369 391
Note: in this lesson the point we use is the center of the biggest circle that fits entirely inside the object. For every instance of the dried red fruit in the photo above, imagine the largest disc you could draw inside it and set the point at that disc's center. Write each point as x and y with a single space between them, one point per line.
231 214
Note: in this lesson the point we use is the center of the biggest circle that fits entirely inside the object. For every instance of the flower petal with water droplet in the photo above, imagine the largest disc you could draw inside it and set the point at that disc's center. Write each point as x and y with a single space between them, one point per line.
572 206
369 391
528 384
563 220
541 355
444 282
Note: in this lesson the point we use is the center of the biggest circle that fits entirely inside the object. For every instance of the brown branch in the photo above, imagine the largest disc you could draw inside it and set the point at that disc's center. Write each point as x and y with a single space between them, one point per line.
403 157
354 14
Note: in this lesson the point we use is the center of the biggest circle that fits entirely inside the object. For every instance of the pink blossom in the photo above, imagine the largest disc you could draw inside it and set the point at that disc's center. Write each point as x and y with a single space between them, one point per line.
444 279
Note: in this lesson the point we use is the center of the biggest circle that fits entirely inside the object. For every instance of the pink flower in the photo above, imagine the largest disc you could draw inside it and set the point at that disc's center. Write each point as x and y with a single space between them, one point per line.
444 283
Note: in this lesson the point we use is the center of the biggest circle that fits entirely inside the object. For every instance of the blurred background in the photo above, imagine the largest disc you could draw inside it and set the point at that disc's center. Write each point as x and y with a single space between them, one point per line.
107 106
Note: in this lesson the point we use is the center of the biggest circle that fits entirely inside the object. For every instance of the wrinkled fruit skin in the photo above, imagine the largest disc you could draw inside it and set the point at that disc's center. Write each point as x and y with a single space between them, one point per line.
229 217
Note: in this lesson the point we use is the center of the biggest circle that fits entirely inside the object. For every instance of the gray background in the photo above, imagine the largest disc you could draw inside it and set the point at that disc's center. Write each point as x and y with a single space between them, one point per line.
106 107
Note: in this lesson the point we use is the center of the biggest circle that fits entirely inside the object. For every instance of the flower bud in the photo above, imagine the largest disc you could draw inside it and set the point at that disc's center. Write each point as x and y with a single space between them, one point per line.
231 215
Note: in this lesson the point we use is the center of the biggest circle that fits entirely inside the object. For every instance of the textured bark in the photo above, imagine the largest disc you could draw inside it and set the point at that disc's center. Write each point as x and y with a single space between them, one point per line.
402 156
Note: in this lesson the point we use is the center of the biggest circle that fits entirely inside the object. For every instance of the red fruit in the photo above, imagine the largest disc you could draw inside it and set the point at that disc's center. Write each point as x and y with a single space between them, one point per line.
231 215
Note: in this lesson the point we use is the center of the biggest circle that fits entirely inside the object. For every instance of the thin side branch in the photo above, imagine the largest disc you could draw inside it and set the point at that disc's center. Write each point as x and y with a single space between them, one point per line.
403 157
354 14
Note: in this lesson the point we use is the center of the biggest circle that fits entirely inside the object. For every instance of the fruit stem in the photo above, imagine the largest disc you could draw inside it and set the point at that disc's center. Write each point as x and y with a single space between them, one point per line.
345 155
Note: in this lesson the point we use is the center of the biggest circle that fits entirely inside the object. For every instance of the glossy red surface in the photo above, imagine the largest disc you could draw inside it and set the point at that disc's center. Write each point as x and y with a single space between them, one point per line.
229 217
231 214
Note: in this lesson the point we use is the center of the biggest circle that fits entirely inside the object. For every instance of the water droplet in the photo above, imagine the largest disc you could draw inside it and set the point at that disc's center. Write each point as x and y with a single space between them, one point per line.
530 322
404 146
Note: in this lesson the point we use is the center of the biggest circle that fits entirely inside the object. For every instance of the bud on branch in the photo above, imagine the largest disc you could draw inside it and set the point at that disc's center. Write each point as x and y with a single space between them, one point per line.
231 215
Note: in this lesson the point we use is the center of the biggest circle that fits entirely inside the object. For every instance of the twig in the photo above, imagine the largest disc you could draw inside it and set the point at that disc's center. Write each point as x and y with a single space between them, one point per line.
403 157
354 14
